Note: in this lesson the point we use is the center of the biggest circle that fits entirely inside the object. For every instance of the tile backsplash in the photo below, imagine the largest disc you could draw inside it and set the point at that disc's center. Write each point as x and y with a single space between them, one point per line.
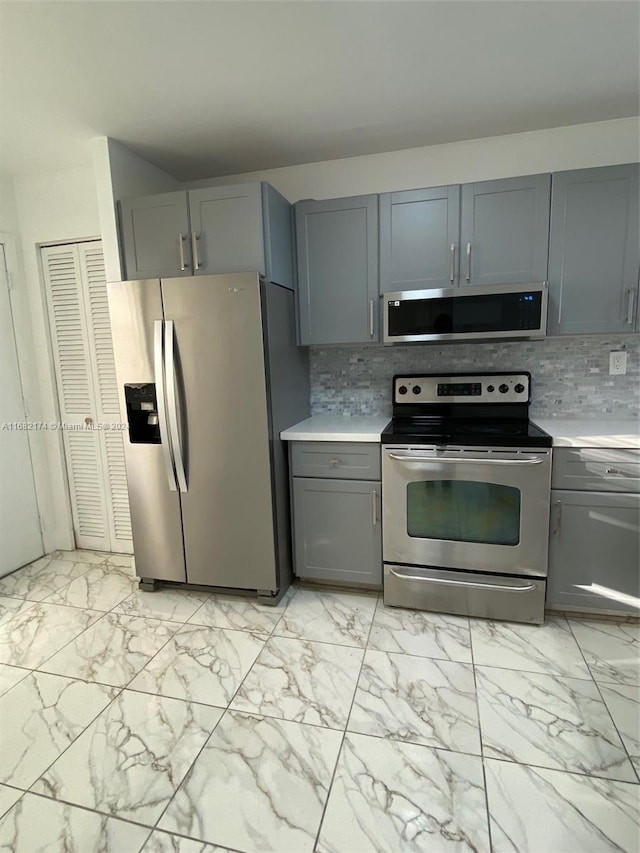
570 375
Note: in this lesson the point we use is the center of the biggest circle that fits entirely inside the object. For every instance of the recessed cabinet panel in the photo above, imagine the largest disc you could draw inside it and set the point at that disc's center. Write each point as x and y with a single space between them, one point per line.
337 244
594 251
226 224
504 237
337 530
594 552
419 233
155 229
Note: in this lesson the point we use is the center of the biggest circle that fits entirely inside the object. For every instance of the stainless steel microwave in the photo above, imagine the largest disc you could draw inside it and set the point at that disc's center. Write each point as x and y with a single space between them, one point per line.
466 313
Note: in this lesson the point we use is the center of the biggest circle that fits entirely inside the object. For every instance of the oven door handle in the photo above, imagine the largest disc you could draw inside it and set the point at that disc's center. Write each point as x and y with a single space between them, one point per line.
407 576
534 460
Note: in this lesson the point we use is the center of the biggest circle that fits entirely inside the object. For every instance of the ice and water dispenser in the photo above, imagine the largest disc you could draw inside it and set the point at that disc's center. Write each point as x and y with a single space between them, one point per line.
142 413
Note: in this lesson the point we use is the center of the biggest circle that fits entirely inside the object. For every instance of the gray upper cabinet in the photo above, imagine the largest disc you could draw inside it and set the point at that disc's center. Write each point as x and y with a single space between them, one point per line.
224 229
155 232
419 238
504 231
337 250
593 252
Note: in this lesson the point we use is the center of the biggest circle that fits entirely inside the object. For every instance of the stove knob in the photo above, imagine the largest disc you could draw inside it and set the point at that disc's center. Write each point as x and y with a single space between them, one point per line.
490 388
519 388
503 388
402 389
417 389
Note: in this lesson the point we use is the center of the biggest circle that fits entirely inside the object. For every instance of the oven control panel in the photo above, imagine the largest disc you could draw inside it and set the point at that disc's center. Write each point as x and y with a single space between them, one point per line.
462 388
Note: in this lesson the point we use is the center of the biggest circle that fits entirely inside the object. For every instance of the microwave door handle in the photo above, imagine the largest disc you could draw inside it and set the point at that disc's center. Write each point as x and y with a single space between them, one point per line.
159 378
534 460
172 404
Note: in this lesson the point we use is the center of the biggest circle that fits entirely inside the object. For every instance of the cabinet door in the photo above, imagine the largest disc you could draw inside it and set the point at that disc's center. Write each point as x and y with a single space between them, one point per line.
504 231
594 553
337 247
419 231
337 530
593 251
155 233
226 229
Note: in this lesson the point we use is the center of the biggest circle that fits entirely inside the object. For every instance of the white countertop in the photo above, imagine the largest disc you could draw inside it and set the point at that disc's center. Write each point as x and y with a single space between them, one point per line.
336 428
591 432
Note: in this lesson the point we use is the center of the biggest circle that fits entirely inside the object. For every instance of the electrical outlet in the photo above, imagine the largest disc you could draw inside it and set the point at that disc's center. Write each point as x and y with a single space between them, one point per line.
617 362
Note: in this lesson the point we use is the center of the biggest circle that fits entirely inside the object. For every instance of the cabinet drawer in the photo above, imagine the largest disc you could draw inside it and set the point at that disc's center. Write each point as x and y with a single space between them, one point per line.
596 469
344 461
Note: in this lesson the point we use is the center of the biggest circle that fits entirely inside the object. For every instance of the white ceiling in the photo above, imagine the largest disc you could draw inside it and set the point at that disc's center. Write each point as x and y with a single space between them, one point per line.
213 88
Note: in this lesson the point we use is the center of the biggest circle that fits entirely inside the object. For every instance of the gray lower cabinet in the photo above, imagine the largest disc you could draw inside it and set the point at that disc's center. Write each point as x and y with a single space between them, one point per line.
594 251
337 512
504 231
594 552
337 253
238 228
419 234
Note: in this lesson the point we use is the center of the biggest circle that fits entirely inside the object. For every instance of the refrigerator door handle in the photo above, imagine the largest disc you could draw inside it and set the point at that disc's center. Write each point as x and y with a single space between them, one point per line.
172 403
158 370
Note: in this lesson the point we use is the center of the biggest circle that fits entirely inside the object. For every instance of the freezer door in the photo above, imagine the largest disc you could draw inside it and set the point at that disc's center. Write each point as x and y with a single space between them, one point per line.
137 326
221 420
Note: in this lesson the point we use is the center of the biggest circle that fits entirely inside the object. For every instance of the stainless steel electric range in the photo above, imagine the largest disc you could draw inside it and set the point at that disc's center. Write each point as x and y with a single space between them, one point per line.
466 480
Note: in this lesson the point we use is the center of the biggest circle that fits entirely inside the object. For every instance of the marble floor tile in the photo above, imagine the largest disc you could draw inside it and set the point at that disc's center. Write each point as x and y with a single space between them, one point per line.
40 579
533 810
260 784
431 702
201 664
414 632
611 649
302 681
40 717
40 825
162 842
9 676
173 605
560 723
330 617
8 798
389 796
37 632
100 588
239 612
549 648
123 561
82 555
10 607
113 650
131 759
623 702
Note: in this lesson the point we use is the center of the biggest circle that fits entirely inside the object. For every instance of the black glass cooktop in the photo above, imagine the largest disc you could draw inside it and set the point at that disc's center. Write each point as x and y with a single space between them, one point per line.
467 431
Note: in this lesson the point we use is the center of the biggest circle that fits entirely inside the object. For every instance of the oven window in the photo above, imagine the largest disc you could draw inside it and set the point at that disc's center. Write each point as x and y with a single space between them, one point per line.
463 511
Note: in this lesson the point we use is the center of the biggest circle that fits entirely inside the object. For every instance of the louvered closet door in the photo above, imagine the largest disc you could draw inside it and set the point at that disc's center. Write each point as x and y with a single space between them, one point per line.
87 393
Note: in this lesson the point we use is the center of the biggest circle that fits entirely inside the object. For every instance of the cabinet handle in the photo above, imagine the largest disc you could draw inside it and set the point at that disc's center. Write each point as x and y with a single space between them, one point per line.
468 261
334 462
374 508
452 271
181 239
612 471
630 304
558 518
194 248
371 313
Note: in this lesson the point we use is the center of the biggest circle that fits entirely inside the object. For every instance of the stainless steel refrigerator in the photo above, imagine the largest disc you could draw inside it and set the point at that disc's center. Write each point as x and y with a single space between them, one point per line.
208 375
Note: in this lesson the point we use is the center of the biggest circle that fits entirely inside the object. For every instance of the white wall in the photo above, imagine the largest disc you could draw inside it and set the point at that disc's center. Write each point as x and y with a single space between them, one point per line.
56 207
576 147
119 173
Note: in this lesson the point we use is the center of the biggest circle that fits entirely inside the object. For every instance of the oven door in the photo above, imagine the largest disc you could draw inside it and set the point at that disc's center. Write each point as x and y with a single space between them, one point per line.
477 509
